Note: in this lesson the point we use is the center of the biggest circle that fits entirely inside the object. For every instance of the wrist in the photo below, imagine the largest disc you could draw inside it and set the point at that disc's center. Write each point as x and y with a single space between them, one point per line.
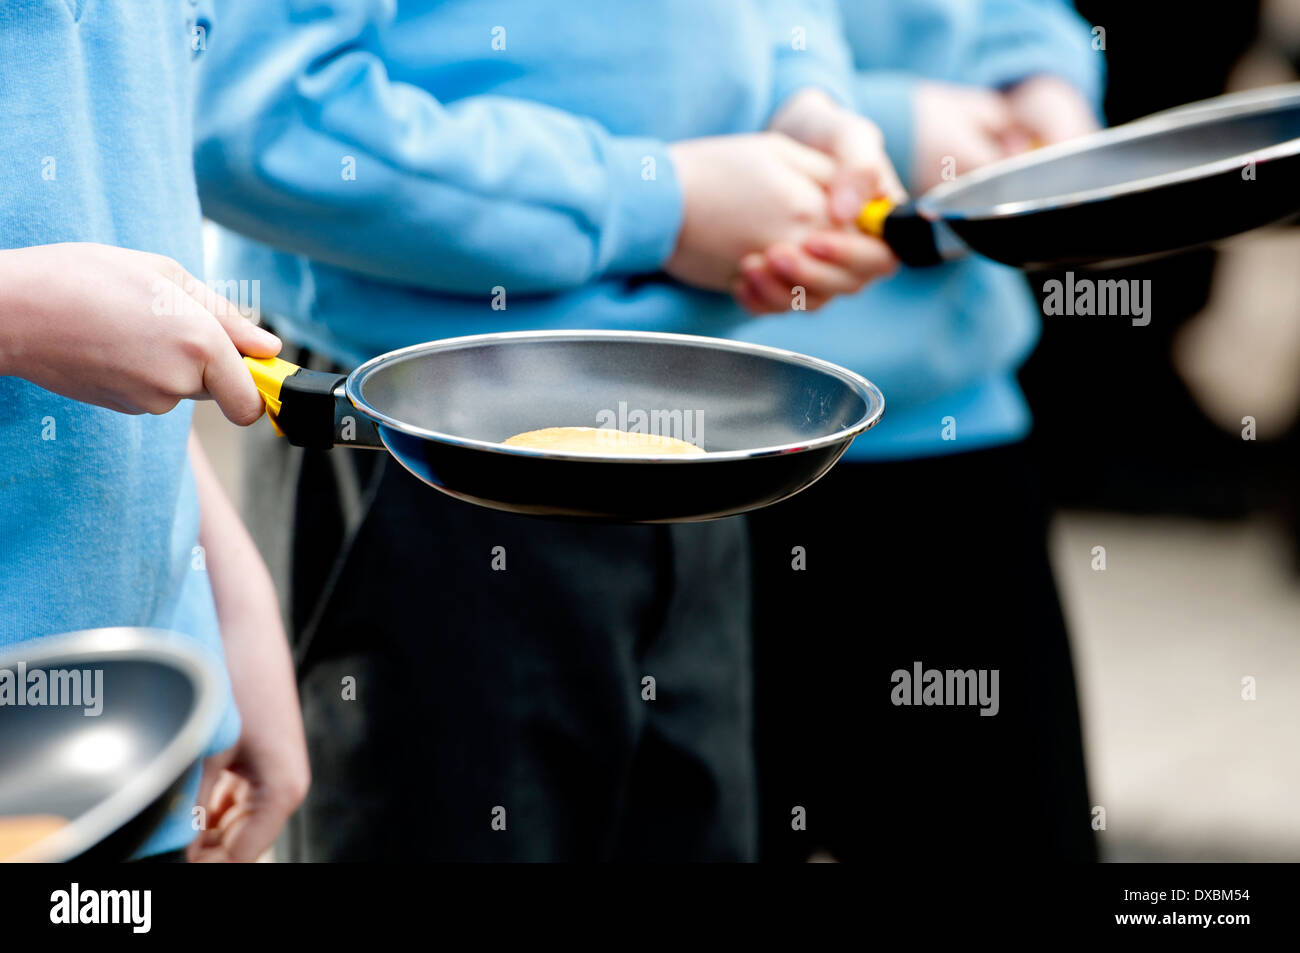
809 116
13 322
682 157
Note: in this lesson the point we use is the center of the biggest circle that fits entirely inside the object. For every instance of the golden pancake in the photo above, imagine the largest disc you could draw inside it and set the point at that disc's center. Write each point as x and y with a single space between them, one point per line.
21 831
604 440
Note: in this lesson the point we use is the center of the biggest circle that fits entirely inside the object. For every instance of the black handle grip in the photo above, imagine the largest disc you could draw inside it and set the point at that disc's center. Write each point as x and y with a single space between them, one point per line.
911 237
307 408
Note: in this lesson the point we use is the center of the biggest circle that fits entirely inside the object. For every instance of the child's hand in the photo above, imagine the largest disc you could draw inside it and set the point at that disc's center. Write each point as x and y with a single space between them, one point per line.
746 193
740 193
862 170
960 128
1050 110
248 796
835 258
126 330
809 273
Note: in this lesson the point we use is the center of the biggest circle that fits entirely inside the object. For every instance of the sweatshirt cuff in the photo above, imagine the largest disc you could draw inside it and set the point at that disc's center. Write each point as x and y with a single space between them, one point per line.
800 71
646 214
886 97
1072 60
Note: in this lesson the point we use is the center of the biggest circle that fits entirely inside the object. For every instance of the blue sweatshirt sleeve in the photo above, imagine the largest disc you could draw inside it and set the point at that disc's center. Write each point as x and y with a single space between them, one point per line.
965 319
809 50
993 43
304 141
1023 38
886 97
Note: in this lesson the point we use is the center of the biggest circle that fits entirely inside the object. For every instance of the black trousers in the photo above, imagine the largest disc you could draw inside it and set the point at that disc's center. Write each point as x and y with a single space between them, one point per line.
943 562
477 685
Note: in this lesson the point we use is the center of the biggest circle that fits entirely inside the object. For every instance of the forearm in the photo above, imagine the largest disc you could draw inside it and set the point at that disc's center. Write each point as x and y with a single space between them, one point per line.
304 141
257 652
11 319
809 116
241 585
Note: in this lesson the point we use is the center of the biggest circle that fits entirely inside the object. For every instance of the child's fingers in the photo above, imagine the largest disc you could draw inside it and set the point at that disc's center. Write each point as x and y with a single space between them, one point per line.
984 150
748 298
863 170
254 831
216 802
211 794
224 796
770 293
862 255
775 295
214 769
990 112
816 276
246 336
227 380
813 163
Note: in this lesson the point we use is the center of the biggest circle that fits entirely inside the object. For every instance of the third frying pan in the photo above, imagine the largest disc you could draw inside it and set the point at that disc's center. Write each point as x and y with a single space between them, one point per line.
1174 180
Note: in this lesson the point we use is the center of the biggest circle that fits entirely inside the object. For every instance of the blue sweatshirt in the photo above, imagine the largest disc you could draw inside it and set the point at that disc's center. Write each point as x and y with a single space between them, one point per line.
943 343
98 511
407 161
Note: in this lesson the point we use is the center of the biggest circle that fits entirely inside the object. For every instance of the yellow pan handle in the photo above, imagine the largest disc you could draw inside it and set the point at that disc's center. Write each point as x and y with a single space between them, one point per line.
269 374
872 217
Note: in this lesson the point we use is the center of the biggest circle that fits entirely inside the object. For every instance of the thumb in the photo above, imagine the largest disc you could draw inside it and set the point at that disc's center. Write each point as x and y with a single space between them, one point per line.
248 338
863 172
212 771
213 768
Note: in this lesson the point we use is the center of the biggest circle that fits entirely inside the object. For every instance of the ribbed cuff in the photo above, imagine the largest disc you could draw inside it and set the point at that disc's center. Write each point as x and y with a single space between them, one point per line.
641 230
886 98
798 71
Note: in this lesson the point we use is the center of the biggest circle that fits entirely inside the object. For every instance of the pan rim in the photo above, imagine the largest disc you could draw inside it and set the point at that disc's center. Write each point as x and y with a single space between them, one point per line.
113 644
1185 116
867 391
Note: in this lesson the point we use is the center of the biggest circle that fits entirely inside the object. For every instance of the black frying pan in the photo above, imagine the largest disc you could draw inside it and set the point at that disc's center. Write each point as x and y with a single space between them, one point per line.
1173 180
772 422
113 776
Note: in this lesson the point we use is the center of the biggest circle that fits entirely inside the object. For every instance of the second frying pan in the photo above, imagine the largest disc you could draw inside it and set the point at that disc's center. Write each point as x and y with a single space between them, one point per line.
113 775
772 422
1180 178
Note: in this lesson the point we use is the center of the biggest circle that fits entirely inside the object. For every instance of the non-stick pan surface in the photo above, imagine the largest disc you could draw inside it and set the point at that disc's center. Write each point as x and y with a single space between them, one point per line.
1177 179
772 422
112 775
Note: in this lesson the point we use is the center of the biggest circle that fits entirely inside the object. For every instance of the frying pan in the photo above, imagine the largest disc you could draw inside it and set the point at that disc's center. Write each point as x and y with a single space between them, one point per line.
772 421
1173 180
114 776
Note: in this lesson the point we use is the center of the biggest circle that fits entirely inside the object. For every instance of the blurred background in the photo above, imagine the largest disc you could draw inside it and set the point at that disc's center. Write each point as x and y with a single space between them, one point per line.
1139 430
